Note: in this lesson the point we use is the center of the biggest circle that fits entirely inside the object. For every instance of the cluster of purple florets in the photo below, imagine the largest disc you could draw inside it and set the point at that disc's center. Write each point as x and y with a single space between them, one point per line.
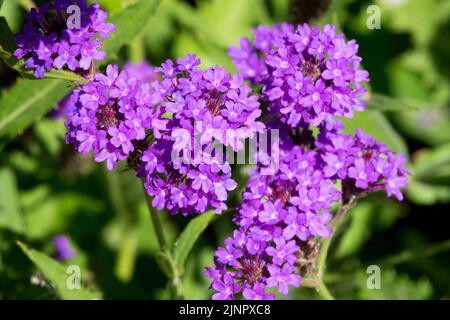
54 36
361 162
278 212
206 106
307 75
163 121
111 115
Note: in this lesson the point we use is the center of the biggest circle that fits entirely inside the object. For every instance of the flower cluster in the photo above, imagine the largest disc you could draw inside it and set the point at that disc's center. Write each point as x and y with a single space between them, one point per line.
57 36
171 125
361 162
279 211
207 106
307 75
112 114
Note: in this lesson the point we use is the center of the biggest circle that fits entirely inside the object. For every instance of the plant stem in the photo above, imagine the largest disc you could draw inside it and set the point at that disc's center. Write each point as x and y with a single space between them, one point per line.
323 291
173 272
321 262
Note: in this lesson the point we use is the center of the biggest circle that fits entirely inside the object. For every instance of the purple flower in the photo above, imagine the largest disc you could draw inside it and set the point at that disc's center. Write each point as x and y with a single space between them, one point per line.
49 40
283 251
207 106
63 248
282 278
109 116
226 288
257 293
306 75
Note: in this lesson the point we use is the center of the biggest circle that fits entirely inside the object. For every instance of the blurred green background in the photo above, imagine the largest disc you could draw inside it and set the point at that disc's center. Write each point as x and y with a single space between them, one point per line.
46 189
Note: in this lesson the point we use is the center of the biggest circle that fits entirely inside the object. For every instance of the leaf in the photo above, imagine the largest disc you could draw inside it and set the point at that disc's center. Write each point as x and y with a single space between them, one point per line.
129 23
430 182
394 286
10 212
126 258
57 275
358 231
27 101
380 102
189 236
429 164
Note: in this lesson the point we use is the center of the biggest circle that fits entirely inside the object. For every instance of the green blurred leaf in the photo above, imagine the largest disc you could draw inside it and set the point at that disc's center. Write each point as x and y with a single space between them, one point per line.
113 6
395 287
27 101
10 212
189 236
372 214
56 274
129 23
358 232
432 163
380 102
126 258
226 21
430 182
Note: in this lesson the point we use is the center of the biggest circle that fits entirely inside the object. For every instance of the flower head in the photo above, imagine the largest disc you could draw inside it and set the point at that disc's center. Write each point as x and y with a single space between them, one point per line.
307 75
53 38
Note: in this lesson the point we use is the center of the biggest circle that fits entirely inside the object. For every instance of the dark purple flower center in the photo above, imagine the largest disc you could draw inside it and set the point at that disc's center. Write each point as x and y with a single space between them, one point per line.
252 270
214 105
108 116
282 192
310 69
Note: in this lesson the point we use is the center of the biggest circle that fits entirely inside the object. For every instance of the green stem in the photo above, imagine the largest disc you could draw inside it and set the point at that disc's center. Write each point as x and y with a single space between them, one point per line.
173 272
323 291
321 261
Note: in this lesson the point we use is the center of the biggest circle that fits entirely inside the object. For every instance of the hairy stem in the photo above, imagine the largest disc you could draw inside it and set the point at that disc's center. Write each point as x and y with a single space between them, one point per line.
321 261
323 291
173 273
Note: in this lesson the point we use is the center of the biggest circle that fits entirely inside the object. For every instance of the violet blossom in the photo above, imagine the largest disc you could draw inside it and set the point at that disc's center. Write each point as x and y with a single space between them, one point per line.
49 40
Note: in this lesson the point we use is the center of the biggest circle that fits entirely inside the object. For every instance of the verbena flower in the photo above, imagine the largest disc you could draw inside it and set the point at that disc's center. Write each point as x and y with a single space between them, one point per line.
307 75
278 213
361 162
63 248
206 107
113 114
49 41
281 212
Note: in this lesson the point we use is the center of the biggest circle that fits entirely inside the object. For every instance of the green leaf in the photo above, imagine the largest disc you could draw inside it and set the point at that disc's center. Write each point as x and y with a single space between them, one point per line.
189 236
27 101
430 182
432 163
10 212
126 258
395 286
129 23
1 4
380 102
57 275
